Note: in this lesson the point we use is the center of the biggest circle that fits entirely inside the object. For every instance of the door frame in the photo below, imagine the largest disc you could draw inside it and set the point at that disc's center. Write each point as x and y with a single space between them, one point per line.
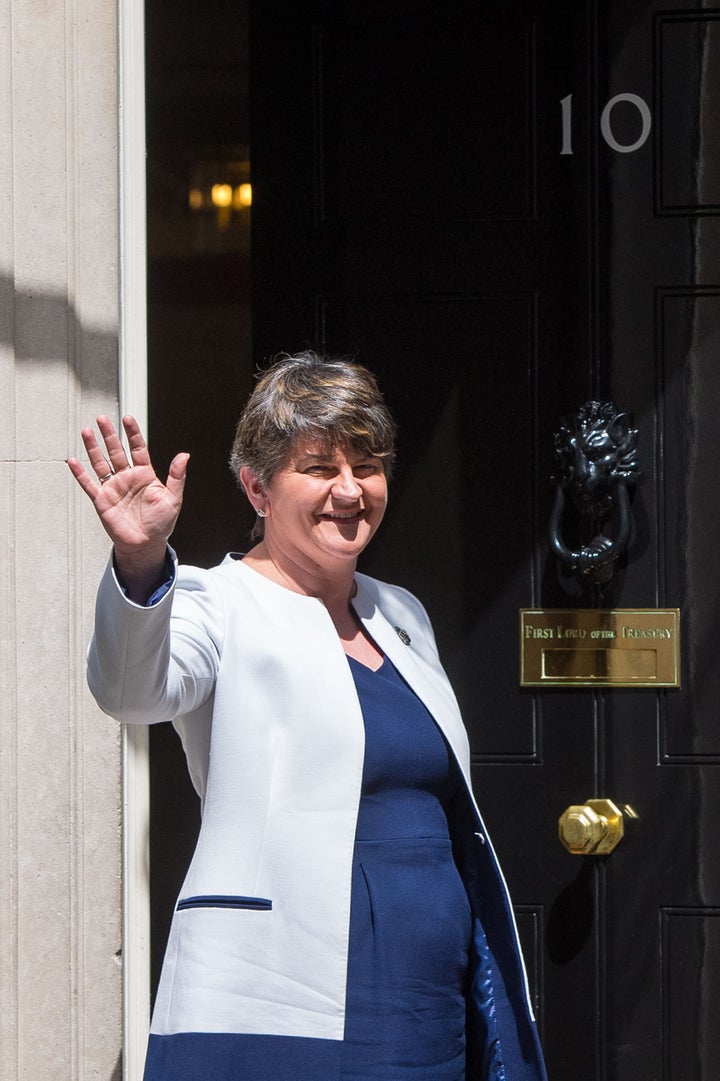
132 379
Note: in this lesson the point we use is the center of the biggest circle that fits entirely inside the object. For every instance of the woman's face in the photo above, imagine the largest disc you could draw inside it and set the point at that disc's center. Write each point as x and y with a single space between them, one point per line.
325 504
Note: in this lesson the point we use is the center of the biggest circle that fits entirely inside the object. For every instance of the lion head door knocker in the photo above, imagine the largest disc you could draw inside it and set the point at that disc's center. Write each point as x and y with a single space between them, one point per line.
596 461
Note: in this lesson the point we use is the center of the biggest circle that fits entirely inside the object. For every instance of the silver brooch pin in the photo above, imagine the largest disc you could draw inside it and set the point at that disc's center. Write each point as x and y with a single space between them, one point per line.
403 636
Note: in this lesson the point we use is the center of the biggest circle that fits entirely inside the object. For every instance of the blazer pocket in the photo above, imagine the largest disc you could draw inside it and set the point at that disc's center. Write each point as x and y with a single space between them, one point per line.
254 904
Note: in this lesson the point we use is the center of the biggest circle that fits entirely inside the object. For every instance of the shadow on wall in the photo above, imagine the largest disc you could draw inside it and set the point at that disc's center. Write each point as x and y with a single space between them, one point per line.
199 375
44 326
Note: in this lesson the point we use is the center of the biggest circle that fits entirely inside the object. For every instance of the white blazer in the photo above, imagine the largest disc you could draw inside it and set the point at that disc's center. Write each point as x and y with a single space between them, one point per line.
255 680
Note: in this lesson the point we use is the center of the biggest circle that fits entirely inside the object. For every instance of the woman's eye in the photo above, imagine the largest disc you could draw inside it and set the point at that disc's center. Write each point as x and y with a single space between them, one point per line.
362 469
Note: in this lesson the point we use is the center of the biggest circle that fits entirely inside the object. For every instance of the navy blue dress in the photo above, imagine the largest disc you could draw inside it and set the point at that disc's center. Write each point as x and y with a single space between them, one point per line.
410 922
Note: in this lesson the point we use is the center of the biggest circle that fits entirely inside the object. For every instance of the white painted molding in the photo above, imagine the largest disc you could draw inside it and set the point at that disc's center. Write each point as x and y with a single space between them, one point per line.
133 399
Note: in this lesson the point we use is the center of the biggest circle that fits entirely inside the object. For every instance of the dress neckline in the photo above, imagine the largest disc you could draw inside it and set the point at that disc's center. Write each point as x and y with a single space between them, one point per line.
366 667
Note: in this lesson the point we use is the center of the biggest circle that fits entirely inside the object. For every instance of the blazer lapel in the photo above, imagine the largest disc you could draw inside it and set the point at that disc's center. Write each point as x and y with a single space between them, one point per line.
427 680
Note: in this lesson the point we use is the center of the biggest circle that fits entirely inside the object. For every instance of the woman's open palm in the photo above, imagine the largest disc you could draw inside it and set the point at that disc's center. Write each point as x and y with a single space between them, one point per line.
136 509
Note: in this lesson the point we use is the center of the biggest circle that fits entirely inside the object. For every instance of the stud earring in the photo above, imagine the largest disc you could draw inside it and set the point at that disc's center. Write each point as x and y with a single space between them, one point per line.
260 512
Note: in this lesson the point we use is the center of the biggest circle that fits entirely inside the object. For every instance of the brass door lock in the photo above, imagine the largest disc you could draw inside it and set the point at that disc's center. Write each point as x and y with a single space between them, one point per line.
593 828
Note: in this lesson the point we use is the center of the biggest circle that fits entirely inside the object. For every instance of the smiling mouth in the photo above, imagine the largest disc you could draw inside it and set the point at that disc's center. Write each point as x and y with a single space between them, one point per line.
350 517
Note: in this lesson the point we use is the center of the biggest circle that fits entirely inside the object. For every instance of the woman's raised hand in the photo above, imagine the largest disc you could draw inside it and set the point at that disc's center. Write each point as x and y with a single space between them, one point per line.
137 510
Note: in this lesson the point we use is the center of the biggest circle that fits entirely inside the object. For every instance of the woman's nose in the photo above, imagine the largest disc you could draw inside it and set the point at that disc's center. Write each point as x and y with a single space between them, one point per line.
346 485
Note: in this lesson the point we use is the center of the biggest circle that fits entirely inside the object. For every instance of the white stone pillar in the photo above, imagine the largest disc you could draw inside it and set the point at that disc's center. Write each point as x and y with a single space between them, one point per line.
60 759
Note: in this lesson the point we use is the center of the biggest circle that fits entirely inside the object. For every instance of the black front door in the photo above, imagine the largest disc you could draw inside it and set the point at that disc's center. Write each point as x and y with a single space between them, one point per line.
506 210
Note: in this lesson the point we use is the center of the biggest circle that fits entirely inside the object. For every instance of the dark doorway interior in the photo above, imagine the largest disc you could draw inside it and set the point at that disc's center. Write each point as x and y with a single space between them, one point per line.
199 329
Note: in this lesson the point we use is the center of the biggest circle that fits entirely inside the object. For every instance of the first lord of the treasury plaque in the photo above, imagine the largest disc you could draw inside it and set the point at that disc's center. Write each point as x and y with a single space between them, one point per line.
600 647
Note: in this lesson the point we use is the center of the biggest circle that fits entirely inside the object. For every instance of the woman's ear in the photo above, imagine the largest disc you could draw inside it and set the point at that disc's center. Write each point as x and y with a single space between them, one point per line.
253 489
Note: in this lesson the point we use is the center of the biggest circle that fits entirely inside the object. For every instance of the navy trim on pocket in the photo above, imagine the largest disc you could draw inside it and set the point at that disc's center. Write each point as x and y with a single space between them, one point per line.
260 904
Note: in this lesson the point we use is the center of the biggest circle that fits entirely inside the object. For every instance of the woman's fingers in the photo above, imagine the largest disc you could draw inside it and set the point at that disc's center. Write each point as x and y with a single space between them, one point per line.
139 452
105 461
99 463
133 488
177 475
113 458
115 452
86 482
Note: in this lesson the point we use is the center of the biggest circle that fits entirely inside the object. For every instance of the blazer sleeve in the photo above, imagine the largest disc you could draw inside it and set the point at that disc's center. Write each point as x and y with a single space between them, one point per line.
150 664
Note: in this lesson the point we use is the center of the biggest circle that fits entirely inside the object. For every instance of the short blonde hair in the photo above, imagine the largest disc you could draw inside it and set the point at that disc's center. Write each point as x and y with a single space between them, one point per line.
332 400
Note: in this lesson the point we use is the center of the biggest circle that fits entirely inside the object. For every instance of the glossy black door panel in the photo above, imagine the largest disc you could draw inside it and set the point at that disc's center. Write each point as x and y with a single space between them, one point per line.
507 210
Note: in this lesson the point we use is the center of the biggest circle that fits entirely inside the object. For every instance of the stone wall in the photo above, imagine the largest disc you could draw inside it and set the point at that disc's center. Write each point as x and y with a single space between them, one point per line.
60 760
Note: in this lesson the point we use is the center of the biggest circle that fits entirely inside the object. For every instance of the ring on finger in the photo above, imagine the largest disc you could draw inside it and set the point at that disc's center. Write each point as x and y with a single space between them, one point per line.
107 476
